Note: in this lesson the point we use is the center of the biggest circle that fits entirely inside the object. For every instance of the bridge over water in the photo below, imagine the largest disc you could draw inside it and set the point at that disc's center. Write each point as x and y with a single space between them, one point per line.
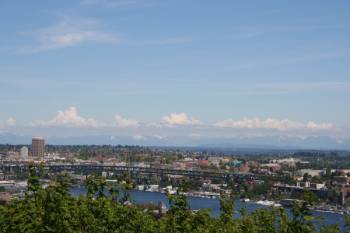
134 170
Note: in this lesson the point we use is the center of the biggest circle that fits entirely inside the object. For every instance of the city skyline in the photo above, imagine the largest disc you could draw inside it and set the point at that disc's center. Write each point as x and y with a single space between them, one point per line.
156 71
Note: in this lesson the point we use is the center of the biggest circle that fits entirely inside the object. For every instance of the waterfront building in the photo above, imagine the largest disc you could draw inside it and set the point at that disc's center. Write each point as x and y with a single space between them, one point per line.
38 147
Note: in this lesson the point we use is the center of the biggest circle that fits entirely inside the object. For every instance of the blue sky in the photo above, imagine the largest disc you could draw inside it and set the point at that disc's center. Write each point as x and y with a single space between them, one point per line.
150 67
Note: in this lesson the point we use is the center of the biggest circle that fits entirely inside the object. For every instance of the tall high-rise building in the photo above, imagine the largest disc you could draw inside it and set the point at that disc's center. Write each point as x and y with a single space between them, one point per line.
38 147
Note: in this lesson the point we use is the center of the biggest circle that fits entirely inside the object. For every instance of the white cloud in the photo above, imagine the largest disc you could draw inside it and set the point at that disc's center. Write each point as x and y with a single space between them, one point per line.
10 122
271 123
178 125
180 119
70 118
69 32
125 122
313 125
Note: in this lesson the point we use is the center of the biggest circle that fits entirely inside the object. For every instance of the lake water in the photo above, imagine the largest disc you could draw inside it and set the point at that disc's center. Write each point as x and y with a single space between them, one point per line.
142 197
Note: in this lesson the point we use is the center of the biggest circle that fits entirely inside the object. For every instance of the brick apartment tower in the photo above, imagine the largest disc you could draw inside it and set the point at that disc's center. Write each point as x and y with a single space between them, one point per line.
38 147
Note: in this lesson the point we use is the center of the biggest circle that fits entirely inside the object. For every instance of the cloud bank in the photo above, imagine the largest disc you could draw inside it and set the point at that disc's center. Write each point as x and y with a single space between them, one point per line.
180 119
176 125
69 118
123 122
271 123
10 122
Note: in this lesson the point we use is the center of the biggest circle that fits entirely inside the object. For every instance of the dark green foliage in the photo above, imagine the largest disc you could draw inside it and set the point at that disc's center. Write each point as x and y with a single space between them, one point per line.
226 208
330 229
